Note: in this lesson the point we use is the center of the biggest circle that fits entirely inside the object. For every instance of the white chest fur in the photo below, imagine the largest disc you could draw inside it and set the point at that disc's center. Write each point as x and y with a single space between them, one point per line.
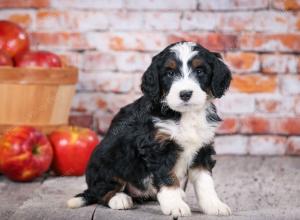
192 132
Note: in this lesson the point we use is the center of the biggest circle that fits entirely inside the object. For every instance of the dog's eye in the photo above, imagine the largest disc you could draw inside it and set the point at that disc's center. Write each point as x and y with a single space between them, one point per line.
199 71
171 73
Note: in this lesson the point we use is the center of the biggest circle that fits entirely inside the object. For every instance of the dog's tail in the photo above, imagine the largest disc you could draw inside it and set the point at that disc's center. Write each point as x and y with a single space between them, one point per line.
80 200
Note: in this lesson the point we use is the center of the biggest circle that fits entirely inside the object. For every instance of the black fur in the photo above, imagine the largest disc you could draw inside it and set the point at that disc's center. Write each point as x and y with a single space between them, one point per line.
211 114
204 158
129 152
221 78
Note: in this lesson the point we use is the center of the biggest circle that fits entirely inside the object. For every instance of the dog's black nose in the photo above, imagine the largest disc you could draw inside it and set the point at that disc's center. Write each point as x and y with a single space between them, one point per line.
185 95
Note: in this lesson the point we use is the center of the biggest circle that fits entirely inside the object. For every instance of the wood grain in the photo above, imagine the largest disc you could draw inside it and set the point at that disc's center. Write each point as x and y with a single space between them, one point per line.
51 76
42 98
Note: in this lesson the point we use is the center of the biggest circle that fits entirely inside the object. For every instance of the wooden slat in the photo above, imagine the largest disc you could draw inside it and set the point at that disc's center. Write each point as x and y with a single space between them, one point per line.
52 76
35 104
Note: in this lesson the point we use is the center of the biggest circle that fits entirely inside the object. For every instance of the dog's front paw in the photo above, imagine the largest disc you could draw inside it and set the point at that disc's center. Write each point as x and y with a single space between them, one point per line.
120 201
215 207
176 208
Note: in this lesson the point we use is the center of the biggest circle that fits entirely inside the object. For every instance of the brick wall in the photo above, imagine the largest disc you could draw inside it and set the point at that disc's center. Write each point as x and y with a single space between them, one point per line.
112 42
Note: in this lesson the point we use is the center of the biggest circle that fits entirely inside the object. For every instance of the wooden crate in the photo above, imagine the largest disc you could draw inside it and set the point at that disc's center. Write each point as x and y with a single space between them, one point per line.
36 96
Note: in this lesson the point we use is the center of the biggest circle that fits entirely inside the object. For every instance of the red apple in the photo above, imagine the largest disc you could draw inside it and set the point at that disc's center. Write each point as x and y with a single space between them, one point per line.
38 59
5 60
72 148
13 39
25 153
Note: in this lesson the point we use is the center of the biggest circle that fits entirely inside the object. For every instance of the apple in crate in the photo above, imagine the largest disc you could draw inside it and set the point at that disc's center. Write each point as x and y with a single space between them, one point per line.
13 39
25 153
38 59
5 60
72 147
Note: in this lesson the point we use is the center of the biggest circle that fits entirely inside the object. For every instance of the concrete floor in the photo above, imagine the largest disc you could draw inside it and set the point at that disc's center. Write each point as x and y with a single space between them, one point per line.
254 187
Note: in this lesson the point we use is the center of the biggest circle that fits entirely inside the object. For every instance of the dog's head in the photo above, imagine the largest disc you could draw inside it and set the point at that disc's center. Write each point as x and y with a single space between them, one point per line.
184 75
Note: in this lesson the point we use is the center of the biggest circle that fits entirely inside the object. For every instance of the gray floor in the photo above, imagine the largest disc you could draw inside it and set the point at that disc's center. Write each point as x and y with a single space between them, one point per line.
254 187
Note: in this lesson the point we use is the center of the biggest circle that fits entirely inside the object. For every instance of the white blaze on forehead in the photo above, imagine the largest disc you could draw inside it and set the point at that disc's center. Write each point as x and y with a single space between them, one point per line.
184 52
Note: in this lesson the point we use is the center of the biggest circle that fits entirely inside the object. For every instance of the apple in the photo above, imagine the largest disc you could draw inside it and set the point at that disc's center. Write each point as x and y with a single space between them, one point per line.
5 60
38 59
25 153
72 147
13 39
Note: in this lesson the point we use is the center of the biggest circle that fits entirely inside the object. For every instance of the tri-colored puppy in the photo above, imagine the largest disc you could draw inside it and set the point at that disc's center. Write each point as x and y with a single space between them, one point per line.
163 137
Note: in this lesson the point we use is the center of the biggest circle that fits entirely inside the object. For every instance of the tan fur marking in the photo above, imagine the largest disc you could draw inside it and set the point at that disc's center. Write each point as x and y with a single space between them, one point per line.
161 137
175 180
197 62
119 187
171 64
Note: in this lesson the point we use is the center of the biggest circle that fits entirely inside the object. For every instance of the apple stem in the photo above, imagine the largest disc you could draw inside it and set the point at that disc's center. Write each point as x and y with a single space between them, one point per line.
35 149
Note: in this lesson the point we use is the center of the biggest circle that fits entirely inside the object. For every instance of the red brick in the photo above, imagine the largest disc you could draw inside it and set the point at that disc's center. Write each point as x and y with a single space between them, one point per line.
275 104
286 125
194 21
269 106
290 84
267 145
162 5
103 120
81 120
270 125
236 104
133 61
266 21
236 21
228 126
167 20
212 41
279 63
270 42
293 146
90 102
24 3
297 105
24 18
59 40
137 41
88 4
106 82
255 125
137 83
296 23
94 60
254 83
125 20
122 61
61 20
233 144
257 21
232 5
242 62
286 4
273 21
70 58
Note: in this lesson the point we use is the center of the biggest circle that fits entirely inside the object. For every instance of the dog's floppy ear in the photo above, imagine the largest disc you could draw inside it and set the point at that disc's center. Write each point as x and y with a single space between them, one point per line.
150 81
221 76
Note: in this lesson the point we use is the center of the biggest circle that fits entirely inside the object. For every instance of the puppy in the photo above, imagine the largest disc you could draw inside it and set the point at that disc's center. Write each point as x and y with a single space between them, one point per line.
163 137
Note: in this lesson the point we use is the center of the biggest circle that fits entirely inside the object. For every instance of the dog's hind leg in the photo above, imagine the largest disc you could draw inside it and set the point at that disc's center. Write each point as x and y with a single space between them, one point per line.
82 199
120 201
116 198
108 193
